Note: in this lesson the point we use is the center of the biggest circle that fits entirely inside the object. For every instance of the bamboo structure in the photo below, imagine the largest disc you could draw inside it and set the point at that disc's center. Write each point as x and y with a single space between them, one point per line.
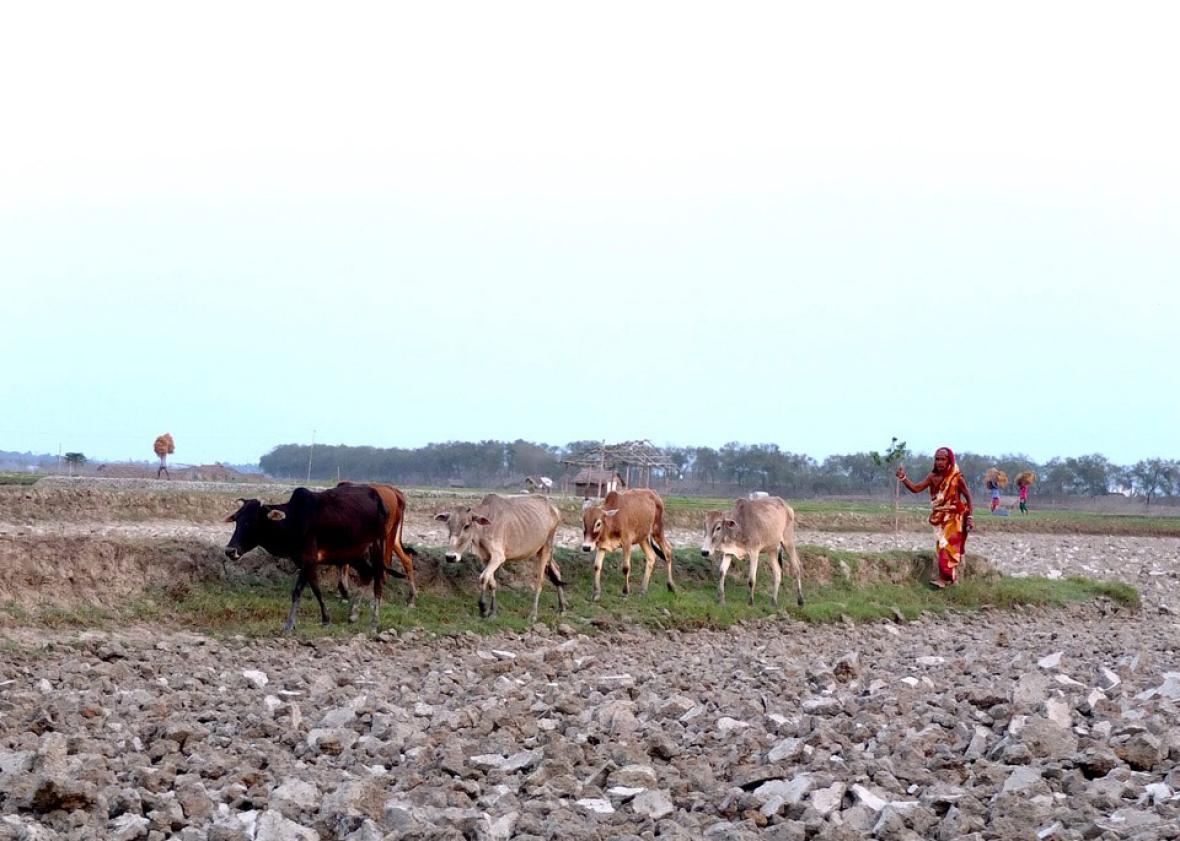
643 455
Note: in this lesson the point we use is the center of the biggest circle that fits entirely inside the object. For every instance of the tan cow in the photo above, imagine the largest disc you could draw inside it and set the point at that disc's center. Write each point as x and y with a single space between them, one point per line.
395 505
622 521
751 527
501 529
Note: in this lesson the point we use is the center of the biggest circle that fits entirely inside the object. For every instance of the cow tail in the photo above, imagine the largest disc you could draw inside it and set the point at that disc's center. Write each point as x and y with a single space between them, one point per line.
655 546
553 576
399 573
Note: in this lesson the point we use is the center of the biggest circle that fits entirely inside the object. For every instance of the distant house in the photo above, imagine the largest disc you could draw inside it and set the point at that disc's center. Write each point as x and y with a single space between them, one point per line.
591 481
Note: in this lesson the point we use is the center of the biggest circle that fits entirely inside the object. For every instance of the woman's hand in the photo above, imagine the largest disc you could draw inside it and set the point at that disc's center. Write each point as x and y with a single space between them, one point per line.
900 473
970 523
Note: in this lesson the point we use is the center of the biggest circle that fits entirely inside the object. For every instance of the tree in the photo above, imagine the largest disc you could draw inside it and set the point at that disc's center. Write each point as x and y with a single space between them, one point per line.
1153 477
74 460
1092 474
706 464
891 458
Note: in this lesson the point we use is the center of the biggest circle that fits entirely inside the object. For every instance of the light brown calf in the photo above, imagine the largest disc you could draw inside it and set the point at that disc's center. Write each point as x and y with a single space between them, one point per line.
623 520
751 527
506 528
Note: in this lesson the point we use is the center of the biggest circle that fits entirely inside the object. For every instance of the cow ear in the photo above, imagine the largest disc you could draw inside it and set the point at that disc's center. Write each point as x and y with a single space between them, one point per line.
480 519
731 524
231 517
586 503
276 515
611 512
442 516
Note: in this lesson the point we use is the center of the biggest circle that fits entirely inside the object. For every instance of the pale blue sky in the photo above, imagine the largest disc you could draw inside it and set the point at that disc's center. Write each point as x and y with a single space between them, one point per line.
694 224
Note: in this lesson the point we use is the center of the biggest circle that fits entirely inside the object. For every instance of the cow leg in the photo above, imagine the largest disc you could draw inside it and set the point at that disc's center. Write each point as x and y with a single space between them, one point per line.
354 607
796 569
378 592
555 574
542 561
626 569
723 571
296 595
753 572
547 566
487 586
599 554
666 548
776 568
313 580
649 557
408 566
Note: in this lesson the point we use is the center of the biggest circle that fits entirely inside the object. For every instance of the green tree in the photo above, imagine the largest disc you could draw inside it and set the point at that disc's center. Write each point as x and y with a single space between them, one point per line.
891 459
1153 477
74 460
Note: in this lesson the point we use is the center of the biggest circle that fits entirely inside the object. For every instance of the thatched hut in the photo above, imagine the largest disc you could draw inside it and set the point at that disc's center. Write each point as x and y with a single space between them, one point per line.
591 481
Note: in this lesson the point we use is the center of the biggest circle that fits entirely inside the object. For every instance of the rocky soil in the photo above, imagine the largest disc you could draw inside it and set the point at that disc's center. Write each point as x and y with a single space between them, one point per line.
995 725
1032 724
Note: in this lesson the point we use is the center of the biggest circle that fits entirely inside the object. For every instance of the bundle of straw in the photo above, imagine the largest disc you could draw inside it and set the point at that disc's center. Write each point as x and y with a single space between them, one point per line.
995 476
164 445
1025 477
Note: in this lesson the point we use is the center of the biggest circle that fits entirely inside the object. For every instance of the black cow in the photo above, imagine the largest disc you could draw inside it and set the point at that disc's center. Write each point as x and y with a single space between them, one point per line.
344 525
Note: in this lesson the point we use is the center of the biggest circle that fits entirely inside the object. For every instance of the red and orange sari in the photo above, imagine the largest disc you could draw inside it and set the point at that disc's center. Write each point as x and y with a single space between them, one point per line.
948 518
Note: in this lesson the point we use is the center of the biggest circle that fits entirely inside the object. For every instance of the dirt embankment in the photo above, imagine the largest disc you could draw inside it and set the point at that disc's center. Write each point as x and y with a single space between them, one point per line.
75 545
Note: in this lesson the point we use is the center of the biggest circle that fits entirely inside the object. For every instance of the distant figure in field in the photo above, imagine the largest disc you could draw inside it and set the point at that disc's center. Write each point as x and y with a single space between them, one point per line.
1024 481
995 479
950 514
163 448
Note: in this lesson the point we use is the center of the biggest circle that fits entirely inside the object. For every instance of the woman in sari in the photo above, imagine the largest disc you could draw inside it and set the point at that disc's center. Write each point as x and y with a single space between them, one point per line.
950 514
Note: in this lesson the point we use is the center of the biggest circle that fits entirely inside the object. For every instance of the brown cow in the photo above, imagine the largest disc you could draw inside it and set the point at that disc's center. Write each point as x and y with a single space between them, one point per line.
506 528
751 527
623 520
395 504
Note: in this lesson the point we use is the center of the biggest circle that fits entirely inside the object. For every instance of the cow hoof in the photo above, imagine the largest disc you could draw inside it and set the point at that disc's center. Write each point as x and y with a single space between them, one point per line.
596 597
326 623
800 601
671 587
288 629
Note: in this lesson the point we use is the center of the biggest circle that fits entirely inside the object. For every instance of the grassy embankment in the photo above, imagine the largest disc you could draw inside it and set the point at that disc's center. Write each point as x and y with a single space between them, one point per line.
12 478
839 585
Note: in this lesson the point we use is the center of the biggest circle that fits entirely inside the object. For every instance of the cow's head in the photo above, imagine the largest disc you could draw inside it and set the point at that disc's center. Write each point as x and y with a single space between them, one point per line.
252 522
595 520
712 541
463 527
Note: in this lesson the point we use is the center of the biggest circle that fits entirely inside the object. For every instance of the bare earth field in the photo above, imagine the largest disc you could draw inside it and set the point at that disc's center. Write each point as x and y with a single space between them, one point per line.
1032 723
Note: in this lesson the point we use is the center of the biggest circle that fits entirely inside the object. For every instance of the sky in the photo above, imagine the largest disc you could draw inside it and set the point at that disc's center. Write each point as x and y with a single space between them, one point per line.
814 225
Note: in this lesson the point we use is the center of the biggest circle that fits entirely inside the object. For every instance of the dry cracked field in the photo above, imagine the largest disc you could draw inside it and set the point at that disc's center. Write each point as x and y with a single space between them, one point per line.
1031 723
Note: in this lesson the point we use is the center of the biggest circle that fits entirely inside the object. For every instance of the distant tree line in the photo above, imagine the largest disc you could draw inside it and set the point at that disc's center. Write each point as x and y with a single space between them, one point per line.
707 469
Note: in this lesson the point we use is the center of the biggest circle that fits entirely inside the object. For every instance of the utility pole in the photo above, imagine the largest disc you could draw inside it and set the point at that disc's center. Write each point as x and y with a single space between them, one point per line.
310 453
